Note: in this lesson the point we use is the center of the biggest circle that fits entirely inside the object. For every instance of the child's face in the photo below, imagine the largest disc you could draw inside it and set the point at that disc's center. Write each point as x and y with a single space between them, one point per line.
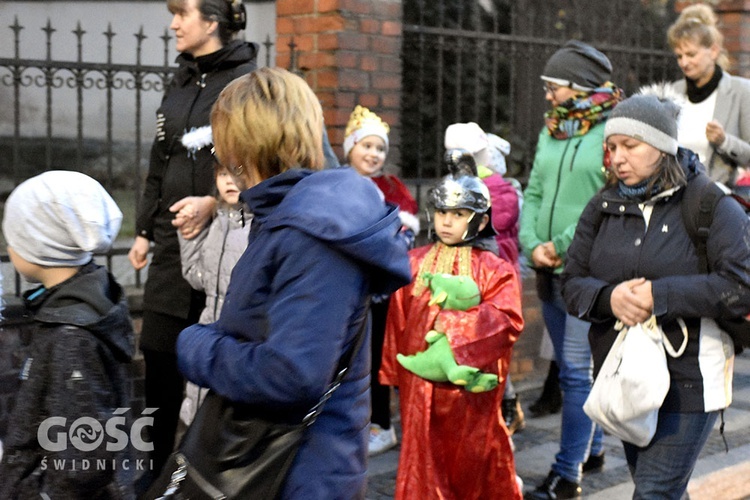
227 186
451 225
368 155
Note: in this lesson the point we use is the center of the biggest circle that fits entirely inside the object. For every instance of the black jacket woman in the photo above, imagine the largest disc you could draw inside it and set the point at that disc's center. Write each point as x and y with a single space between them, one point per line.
209 59
632 258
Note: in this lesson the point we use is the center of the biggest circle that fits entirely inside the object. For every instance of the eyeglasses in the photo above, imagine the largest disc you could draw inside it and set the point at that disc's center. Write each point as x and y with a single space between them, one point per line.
232 170
550 88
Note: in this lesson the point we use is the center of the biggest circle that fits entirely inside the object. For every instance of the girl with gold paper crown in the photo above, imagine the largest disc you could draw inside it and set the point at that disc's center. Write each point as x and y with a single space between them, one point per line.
365 149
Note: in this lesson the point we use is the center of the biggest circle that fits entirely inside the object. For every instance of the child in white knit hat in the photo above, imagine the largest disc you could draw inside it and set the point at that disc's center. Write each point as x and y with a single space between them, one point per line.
489 153
487 150
82 337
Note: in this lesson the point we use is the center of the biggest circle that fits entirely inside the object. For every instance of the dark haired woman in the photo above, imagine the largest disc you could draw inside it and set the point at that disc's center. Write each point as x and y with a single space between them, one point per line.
632 258
209 59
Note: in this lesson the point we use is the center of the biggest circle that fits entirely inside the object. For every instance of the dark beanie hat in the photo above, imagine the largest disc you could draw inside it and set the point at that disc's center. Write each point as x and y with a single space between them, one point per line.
579 64
650 116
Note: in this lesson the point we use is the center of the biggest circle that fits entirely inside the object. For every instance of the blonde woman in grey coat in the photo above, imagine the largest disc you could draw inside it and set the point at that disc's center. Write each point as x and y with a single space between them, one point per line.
207 262
715 117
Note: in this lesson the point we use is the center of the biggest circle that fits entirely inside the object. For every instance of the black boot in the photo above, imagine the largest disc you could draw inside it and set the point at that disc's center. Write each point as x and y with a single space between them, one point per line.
555 487
551 399
595 463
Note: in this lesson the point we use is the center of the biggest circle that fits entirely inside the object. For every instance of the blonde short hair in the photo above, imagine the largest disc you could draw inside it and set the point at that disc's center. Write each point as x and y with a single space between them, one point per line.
698 23
268 121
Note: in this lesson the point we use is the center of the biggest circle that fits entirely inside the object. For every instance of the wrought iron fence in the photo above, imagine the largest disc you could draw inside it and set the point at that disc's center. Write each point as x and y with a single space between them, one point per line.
84 115
481 61
462 61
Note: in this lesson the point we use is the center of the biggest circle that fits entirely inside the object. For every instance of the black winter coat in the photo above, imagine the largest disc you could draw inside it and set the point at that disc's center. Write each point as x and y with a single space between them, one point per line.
613 244
73 368
174 173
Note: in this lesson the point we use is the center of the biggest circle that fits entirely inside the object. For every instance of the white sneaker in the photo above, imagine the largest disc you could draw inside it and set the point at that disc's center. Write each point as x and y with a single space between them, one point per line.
381 439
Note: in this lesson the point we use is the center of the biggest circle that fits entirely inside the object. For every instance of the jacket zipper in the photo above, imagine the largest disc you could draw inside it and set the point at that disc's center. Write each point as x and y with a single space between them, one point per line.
575 153
218 270
557 190
202 84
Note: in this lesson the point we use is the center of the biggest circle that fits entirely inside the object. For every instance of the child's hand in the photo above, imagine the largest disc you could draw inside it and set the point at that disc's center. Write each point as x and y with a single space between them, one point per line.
186 212
192 214
438 326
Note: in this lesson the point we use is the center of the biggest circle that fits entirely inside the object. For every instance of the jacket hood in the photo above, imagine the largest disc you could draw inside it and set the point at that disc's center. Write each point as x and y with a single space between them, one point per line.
91 300
341 208
233 54
690 163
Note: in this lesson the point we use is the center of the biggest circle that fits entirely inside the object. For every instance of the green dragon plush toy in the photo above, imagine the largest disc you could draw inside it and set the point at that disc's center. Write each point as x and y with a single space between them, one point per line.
437 363
455 293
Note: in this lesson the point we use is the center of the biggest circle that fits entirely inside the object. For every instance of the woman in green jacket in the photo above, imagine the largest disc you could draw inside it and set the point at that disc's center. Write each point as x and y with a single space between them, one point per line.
568 169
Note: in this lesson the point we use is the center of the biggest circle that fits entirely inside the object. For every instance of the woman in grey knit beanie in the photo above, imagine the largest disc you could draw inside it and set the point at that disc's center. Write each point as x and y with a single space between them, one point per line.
651 118
633 261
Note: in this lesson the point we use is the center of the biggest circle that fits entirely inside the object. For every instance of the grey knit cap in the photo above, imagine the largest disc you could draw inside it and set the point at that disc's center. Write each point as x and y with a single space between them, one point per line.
60 218
578 65
649 119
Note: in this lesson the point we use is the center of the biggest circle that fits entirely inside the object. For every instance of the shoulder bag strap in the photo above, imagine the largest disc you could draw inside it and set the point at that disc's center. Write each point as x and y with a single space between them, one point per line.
341 369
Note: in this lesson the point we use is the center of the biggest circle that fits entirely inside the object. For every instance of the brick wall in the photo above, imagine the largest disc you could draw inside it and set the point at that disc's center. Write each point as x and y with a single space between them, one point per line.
349 52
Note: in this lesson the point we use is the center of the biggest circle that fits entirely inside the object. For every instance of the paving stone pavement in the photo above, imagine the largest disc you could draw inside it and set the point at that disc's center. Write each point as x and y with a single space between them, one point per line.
719 475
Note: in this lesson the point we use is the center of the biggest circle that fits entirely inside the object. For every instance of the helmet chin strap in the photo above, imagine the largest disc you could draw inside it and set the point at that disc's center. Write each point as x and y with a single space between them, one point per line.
468 227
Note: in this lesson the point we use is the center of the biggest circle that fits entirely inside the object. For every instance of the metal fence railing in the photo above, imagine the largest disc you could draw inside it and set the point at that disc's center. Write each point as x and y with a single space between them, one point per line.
462 61
481 61
93 116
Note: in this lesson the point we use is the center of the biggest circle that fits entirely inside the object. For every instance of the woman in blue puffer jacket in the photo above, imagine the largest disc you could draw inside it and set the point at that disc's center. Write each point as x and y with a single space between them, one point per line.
320 244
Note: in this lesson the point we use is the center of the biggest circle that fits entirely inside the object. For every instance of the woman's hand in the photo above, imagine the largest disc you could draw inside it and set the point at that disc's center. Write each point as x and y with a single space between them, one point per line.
715 133
632 301
545 255
192 213
138 254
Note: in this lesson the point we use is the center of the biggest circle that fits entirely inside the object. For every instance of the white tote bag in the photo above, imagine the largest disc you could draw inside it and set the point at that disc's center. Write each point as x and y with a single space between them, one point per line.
633 382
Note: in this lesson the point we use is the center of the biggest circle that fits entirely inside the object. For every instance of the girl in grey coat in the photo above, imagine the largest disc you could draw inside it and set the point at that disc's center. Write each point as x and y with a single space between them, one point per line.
207 262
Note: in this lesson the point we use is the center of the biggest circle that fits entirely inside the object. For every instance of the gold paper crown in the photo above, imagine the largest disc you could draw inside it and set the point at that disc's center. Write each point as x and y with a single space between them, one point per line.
362 116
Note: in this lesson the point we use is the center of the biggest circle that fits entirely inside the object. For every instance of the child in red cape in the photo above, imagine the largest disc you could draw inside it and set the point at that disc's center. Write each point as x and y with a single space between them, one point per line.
455 443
